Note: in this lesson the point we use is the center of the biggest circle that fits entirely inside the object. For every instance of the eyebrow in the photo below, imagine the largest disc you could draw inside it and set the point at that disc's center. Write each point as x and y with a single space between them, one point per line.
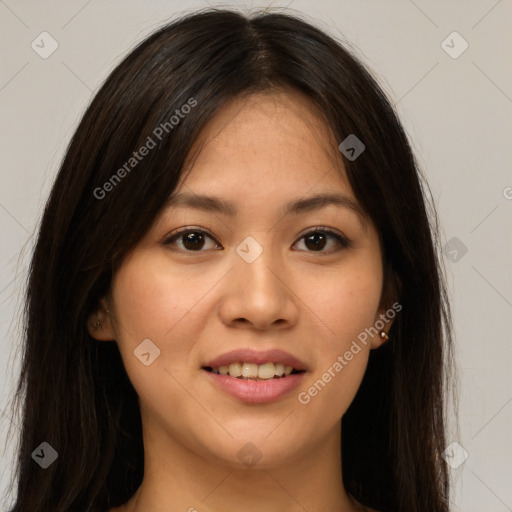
213 204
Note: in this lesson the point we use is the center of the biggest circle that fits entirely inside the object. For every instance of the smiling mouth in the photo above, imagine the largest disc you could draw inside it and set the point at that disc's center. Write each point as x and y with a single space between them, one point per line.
253 371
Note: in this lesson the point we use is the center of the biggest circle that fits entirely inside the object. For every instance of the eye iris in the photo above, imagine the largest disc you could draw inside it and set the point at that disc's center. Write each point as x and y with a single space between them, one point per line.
193 240
316 243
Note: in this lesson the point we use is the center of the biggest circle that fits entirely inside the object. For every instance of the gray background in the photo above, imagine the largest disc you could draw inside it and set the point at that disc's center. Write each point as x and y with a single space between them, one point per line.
457 112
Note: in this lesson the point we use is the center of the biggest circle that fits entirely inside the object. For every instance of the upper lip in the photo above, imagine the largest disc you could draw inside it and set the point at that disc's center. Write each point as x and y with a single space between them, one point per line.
249 355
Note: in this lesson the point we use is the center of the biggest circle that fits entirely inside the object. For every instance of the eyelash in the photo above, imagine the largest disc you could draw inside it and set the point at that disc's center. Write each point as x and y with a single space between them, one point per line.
343 241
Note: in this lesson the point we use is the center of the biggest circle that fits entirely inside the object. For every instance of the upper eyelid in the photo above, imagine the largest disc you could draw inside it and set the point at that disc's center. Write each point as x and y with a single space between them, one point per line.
181 231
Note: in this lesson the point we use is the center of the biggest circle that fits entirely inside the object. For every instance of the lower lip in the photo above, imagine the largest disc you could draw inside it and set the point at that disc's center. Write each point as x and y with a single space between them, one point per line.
256 391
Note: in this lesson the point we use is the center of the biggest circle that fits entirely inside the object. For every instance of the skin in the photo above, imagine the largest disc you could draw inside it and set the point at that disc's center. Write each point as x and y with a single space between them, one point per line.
267 149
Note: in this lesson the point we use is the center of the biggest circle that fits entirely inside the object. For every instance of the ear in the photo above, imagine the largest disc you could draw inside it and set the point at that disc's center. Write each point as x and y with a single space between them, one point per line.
389 307
382 324
99 323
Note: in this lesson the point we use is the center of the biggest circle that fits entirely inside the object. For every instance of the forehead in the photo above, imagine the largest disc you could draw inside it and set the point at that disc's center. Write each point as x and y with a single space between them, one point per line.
266 156
274 141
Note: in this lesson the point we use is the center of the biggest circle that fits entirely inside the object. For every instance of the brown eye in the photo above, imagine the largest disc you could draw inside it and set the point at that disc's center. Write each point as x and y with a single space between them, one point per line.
194 240
316 241
191 240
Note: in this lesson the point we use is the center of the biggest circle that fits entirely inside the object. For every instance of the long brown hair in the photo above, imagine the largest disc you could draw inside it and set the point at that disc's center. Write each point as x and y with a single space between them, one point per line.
75 393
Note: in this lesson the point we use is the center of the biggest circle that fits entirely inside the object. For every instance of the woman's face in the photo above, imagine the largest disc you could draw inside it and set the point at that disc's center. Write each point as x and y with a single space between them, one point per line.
259 280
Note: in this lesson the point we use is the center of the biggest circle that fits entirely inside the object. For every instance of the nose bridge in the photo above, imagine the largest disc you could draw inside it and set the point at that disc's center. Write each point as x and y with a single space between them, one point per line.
259 261
258 293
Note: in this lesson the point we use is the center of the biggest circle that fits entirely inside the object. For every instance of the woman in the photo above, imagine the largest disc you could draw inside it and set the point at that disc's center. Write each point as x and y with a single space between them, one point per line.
235 300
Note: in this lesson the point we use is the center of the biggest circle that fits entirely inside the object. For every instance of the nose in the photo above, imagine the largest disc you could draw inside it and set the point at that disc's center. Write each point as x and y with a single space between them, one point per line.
258 296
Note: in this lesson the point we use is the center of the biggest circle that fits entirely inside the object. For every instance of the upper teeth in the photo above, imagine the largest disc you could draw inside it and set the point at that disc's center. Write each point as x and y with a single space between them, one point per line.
253 370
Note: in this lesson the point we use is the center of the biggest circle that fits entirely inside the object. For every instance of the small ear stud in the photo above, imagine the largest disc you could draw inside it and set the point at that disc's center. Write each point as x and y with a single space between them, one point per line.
383 335
97 324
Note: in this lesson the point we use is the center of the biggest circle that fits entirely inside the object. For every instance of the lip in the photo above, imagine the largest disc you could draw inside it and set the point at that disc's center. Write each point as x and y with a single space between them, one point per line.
256 391
248 355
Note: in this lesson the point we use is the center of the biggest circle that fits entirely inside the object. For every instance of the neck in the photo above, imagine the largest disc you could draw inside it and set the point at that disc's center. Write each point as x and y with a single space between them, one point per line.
177 478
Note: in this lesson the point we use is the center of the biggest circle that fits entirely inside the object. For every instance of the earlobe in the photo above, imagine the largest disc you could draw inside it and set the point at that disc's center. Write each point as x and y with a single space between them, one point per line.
383 336
99 323
382 325
379 339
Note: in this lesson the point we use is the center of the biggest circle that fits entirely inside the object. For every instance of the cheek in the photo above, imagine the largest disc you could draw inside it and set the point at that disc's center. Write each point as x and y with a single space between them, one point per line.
152 297
152 300
157 301
346 308
344 302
